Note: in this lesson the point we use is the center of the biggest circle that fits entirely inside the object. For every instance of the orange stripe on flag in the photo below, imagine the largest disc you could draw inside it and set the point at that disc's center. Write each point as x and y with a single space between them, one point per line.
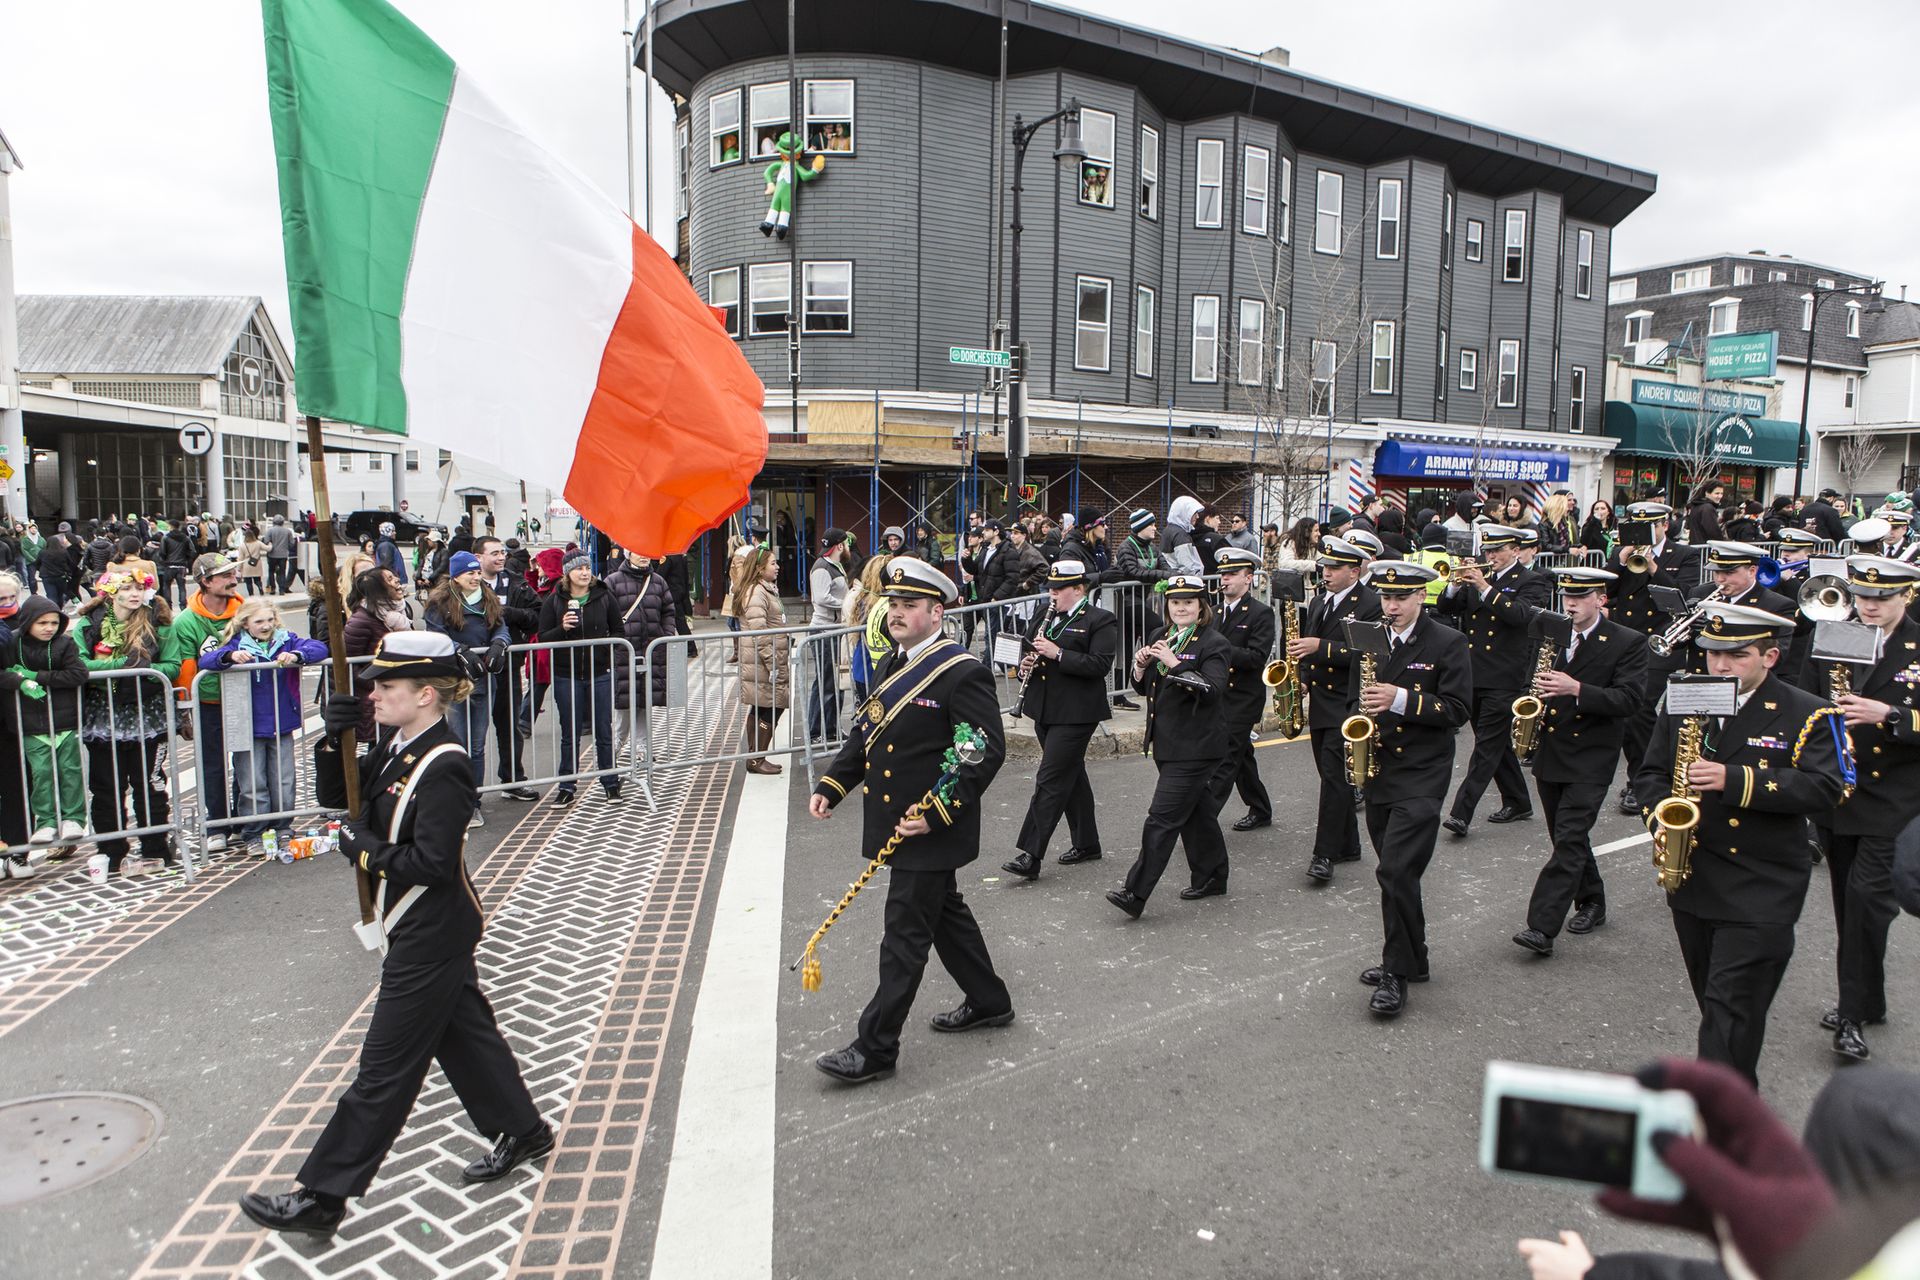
674 434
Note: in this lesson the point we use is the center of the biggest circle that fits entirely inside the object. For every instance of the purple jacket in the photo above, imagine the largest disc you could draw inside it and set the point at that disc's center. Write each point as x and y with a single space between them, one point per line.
276 690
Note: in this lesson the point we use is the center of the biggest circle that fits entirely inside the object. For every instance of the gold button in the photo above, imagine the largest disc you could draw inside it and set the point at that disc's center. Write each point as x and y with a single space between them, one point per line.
886 799
889 746
1876 751
1734 849
1733 822
866 791
886 773
1876 773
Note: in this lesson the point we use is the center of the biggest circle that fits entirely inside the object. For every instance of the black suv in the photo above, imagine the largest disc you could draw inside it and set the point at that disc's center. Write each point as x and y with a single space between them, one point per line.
407 527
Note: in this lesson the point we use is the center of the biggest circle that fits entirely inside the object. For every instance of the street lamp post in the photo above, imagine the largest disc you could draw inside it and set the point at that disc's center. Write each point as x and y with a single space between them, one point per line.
1876 303
1070 147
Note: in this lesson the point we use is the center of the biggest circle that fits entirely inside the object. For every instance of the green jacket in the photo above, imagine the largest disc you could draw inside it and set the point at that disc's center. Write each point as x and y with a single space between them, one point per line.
195 631
31 545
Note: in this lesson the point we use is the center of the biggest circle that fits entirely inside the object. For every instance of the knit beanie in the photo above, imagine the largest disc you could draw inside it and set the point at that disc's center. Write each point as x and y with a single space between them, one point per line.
1088 518
1141 519
578 560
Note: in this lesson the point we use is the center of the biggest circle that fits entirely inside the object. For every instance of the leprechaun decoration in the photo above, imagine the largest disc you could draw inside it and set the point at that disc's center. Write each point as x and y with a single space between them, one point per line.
780 176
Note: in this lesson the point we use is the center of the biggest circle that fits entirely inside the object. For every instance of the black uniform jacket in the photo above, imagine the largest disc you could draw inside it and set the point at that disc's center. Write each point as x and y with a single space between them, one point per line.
1886 793
1072 689
1415 749
1582 734
446 920
1496 627
1327 674
1756 598
1751 856
1183 723
1248 629
1630 604
893 753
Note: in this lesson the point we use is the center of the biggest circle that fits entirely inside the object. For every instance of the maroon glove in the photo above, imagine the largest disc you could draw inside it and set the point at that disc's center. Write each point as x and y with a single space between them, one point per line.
1751 1171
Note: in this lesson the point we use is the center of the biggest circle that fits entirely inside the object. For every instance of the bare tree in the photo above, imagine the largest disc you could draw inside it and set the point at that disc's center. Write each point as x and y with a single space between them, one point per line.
1856 456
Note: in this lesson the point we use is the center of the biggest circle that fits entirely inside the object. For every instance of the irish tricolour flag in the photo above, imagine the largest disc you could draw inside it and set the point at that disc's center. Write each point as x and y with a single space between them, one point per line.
453 281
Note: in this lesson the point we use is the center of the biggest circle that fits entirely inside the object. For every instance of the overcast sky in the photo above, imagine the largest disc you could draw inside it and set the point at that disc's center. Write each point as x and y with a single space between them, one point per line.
149 160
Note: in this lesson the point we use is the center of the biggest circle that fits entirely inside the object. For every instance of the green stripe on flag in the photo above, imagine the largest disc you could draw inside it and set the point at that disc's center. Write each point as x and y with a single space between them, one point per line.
358 96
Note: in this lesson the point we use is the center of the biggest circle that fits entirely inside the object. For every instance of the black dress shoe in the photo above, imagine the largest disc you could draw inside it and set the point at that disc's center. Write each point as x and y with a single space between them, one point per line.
1320 869
1128 901
1849 1043
508 1154
1390 996
1371 976
1251 823
1629 803
1022 864
1509 813
1456 825
850 1066
1346 857
1587 919
1072 856
966 1018
301 1210
1126 703
522 794
1535 941
1830 1021
1213 888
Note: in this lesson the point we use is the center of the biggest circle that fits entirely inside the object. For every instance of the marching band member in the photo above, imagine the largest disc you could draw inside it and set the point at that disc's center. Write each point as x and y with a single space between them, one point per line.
1897 511
1869 536
1630 603
921 694
1325 674
1182 672
1759 774
1528 548
1494 603
1065 694
1420 698
1248 628
1589 694
1735 569
1883 720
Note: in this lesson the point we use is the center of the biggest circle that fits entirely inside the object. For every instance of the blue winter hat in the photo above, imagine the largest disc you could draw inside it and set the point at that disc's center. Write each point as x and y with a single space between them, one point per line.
463 562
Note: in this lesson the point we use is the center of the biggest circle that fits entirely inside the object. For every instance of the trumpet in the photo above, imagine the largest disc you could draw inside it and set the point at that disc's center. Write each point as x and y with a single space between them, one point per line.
1676 816
1826 598
1446 569
1636 560
1676 634
1359 731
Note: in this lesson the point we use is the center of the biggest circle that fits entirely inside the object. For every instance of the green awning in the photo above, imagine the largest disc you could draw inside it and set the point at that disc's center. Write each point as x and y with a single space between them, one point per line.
1654 432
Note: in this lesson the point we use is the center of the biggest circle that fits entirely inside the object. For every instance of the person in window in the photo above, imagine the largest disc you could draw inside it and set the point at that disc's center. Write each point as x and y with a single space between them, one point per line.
835 138
729 148
1094 183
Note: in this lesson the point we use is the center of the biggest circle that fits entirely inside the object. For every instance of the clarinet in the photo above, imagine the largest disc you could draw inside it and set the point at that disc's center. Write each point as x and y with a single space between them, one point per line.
1031 661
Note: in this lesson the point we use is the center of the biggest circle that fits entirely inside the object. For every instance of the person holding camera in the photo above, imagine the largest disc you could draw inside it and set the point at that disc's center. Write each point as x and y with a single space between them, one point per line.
1644 559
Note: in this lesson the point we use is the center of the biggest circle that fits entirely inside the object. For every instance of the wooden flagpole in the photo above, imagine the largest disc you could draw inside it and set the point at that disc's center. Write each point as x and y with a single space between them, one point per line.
336 636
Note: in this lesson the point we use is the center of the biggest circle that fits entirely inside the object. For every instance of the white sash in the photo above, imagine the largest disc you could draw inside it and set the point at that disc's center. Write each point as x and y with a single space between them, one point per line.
382 922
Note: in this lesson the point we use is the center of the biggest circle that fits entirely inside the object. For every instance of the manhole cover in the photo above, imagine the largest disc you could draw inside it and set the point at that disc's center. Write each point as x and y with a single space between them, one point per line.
59 1141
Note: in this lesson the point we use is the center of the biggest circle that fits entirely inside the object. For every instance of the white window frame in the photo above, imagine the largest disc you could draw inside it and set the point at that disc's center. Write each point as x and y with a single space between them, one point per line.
1641 321
1627 290
1250 371
1505 396
809 115
1583 263
1577 399
1213 340
682 146
1083 328
1690 279
1742 274
376 462
1853 319
1321 214
1202 185
1382 221
715 132
809 295
1440 383
1255 195
1806 312
1849 391
1476 243
1469 369
712 278
346 464
1286 200
1727 307
1775 276
1513 251
1146 307
1315 382
781 272
1823 282
757 121
413 460
1446 235
1149 173
1096 158
1377 363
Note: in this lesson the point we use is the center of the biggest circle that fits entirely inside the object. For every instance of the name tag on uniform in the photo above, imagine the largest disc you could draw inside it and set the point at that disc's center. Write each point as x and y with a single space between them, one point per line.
1419 666
1768 743
926 702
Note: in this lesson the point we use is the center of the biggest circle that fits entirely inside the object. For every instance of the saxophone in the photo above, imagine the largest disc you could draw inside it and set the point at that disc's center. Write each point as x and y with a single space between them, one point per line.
1359 731
1282 675
1675 817
1529 707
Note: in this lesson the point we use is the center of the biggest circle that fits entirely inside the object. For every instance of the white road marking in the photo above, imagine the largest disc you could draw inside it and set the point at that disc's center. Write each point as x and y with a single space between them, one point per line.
1645 837
716 1214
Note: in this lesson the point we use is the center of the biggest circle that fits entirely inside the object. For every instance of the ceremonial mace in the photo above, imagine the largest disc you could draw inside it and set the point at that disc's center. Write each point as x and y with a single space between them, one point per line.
969 747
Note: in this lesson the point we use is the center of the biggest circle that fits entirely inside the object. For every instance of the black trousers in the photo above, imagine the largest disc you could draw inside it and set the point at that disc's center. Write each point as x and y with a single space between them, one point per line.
1735 967
1182 809
1060 786
1403 832
1571 878
1861 869
117 769
507 742
1633 748
925 911
426 1011
1492 760
1241 771
1336 836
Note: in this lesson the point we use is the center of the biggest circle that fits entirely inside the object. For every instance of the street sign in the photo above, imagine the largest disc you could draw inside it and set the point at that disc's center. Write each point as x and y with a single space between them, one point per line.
196 439
1742 355
6 469
979 357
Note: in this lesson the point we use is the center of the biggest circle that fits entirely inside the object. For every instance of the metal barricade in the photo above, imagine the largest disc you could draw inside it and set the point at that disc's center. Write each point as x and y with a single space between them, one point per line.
113 777
711 679
585 715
